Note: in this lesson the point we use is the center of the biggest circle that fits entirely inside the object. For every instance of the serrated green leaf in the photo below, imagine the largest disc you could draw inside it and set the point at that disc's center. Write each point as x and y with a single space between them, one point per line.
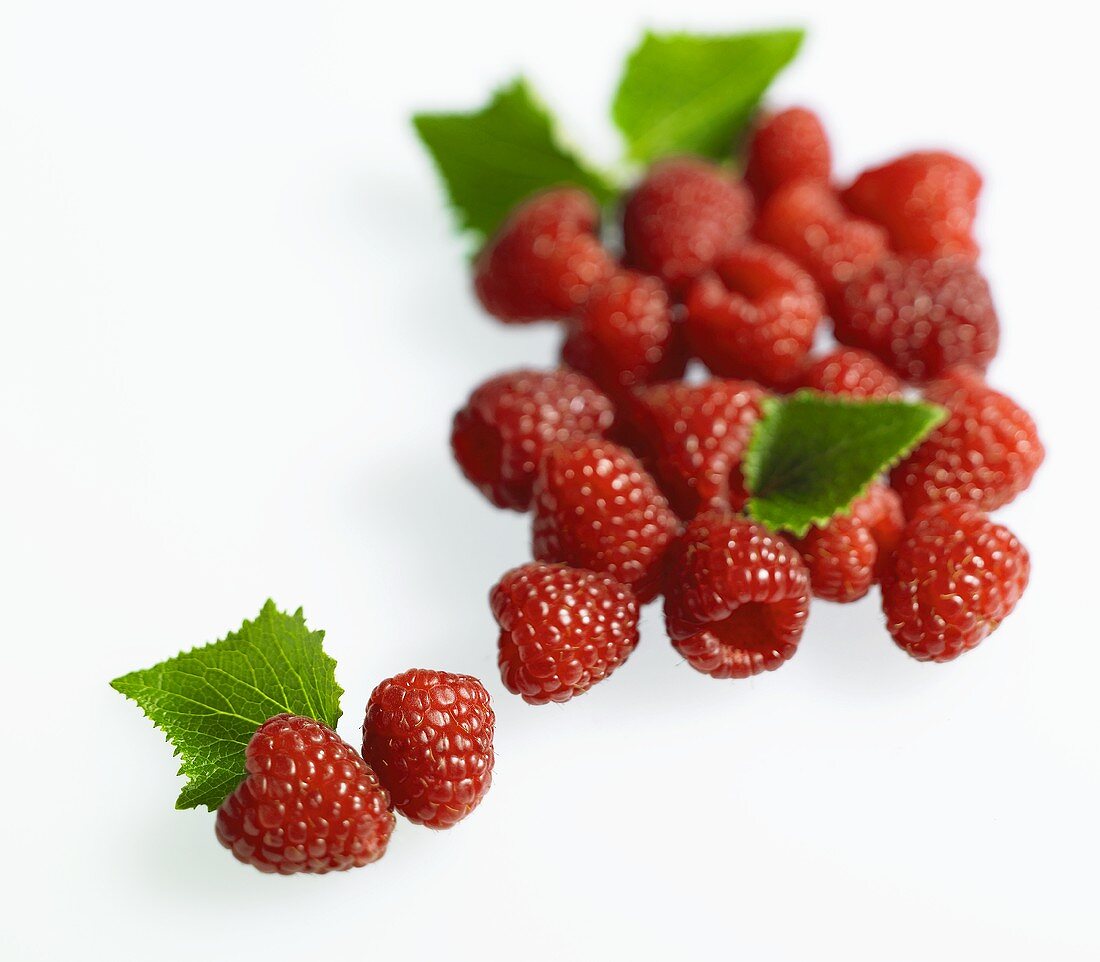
685 93
812 455
209 701
493 158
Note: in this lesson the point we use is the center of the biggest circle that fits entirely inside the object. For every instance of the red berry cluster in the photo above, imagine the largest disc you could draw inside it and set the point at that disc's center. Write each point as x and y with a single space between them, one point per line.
311 803
633 474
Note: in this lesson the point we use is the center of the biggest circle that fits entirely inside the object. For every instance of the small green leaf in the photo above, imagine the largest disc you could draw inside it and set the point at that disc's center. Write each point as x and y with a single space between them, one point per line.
684 93
812 455
495 157
209 701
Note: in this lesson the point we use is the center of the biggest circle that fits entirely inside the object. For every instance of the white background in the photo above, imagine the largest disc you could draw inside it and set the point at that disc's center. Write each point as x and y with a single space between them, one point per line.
235 326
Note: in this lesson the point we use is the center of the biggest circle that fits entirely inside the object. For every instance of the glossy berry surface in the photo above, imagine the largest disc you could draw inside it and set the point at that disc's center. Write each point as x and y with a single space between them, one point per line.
984 454
682 217
624 335
850 372
754 316
597 507
428 735
881 511
955 576
308 803
920 316
927 201
694 438
562 630
500 435
736 596
806 220
785 147
841 559
544 259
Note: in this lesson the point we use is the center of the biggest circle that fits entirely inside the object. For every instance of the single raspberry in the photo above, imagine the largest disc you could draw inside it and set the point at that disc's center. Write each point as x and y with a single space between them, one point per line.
681 217
309 803
543 260
429 737
984 454
788 146
754 316
736 596
624 335
852 373
927 202
880 510
841 558
500 435
694 436
806 220
596 507
562 629
919 316
955 576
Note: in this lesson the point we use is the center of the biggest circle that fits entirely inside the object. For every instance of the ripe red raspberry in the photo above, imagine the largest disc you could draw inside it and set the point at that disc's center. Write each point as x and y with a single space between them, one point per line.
927 202
919 316
562 629
624 335
984 454
429 737
596 507
880 509
788 146
852 373
694 436
543 259
309 803
736 596
681 217
806 220
841 559
754 316
500 435
955 576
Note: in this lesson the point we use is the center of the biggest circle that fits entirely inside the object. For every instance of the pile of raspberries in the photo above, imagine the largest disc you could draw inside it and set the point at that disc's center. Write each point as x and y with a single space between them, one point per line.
632 473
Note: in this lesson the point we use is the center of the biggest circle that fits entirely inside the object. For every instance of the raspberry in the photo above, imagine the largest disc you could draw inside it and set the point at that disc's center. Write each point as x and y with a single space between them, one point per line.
309 803
543 259
841 559
681 217
880 509
562 629
852 373
984 454
624 335
788 146
806 220
754 316
736 596
919 316
926 201
429 736
955 576
694 436
500 435
596 507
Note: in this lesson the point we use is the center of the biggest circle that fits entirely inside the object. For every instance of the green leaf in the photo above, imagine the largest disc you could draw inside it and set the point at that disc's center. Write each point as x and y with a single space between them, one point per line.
209 701
687 94
495 157
812 455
